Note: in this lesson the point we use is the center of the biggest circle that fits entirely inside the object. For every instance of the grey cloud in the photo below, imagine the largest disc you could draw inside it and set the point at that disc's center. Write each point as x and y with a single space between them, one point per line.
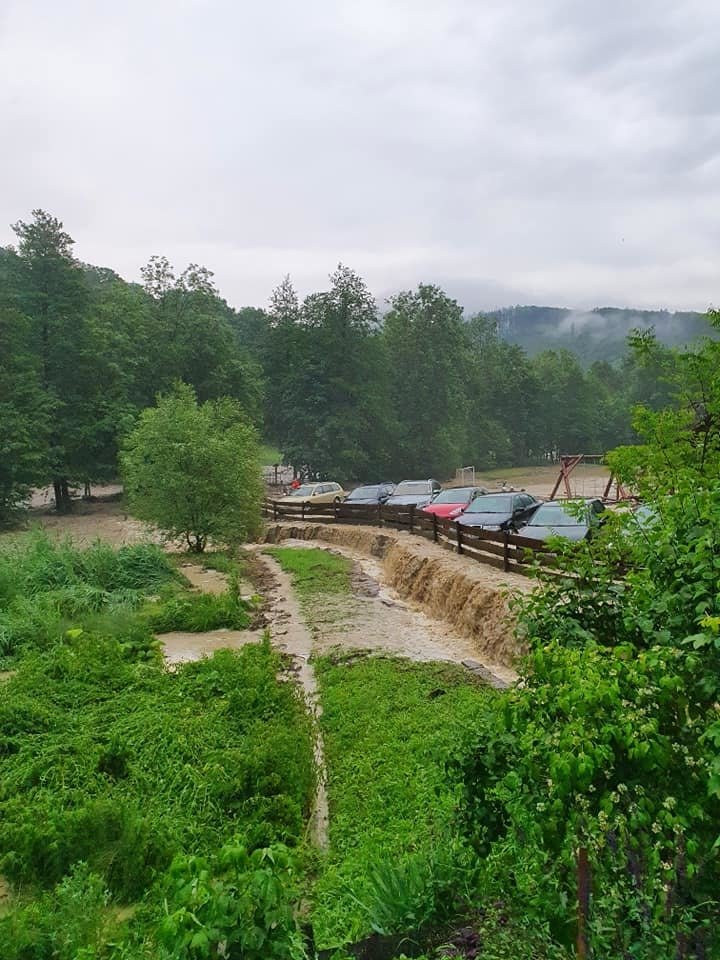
513 151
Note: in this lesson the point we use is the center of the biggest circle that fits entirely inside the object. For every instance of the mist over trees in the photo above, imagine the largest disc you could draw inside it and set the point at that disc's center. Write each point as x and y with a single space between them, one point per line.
343 388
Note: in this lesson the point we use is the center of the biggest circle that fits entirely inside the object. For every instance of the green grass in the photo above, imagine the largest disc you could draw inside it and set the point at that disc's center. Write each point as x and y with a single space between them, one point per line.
314 572
48 588
112 767
198 612
389 726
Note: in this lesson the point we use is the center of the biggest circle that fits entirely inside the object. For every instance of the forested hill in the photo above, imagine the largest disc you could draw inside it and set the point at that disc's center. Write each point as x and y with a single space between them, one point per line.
599 334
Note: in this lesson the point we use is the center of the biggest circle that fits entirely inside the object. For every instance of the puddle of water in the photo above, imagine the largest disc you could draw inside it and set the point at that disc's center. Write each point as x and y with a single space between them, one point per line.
179 647
211 581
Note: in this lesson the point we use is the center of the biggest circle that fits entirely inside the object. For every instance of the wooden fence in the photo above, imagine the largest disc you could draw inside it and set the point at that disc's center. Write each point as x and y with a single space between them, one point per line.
506 551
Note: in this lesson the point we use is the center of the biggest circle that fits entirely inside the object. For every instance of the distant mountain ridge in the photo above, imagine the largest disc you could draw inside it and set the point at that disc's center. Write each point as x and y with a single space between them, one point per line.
598 334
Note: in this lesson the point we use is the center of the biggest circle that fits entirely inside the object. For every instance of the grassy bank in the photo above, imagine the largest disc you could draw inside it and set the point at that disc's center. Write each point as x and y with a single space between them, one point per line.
389 727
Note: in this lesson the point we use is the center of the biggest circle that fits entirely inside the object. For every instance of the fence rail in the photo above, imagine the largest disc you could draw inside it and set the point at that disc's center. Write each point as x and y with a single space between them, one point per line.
506 551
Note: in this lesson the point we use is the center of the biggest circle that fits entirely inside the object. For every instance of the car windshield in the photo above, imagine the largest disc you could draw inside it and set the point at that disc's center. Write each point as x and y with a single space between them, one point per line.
304 491
491 504
409 487
553 515
364 493
456 495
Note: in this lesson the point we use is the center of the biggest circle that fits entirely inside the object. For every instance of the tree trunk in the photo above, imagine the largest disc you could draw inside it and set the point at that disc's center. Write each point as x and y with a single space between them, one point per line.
63 503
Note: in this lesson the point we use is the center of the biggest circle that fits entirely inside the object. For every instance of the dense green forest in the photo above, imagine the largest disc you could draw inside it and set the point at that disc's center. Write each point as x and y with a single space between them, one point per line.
342 388
598 334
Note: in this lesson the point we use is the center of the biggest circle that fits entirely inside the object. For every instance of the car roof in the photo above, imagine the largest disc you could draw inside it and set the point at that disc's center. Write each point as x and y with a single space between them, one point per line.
562 503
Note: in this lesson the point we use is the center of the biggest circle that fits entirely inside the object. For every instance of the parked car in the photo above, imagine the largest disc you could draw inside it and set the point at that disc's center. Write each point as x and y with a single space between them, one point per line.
371 493
572 519
451 502
646 515
499 511
308 493
418 492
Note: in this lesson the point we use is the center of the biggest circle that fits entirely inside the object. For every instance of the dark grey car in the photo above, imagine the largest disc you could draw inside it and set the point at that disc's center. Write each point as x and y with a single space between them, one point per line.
371 493
572 519
499 511
417 492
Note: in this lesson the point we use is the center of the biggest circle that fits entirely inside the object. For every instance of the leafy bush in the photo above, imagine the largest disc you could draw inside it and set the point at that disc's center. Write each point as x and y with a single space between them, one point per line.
610 744
242 901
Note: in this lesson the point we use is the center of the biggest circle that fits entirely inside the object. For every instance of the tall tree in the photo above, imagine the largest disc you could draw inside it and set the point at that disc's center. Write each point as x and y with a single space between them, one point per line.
51 292
327 379
24 415
194 340
192 469
424 338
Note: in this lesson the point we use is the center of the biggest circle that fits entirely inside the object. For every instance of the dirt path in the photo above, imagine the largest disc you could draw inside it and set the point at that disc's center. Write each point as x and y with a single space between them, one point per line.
471 599
290 635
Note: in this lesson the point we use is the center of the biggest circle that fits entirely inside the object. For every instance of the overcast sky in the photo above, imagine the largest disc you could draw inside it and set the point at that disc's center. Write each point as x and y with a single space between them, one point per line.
514 151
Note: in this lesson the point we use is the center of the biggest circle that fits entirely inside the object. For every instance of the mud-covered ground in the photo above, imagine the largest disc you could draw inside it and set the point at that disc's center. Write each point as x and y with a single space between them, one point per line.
410 596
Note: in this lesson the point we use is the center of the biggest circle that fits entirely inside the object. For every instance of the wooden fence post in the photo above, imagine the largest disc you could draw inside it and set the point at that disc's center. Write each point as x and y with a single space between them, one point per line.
458 535
435 535
335 510
379 518
302 510
583 902
274 509
411 512
506 551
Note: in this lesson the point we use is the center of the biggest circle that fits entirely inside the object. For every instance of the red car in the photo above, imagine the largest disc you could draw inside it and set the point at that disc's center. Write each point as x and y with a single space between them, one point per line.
451 503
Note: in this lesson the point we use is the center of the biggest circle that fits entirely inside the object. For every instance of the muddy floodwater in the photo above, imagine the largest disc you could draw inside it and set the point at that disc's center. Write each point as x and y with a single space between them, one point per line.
180 647
375 617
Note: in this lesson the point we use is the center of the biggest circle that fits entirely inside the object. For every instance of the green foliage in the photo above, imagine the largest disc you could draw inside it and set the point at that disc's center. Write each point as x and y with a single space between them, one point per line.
242 901
193 470
65 923
326 373
49 587
611 741
24 414
389 728
314 571
197 612
124 766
